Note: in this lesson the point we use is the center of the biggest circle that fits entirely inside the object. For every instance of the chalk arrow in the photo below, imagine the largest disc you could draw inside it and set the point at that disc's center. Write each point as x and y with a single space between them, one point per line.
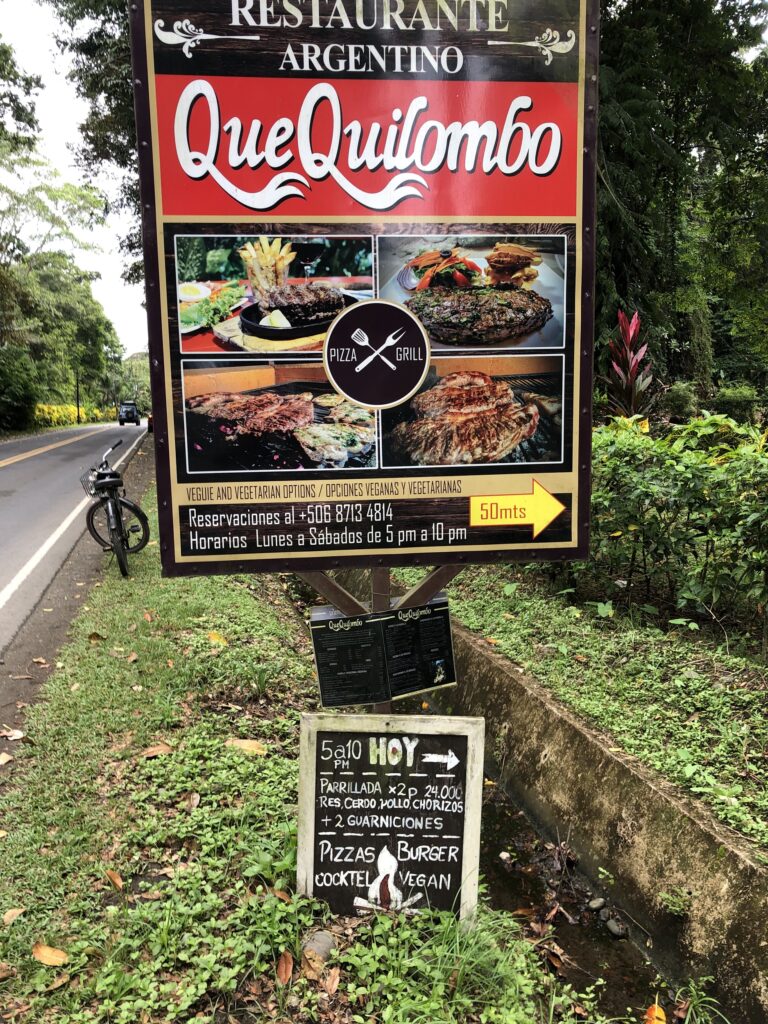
449 760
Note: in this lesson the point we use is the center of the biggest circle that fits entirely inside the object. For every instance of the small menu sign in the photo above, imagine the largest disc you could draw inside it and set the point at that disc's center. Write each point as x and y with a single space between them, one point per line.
389 812
367 659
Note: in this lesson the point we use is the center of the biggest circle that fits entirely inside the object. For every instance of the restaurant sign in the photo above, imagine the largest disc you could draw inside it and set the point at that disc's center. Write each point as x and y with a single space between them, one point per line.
369 244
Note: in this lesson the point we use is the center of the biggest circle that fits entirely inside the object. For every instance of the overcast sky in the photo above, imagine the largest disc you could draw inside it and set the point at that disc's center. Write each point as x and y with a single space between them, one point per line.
31 28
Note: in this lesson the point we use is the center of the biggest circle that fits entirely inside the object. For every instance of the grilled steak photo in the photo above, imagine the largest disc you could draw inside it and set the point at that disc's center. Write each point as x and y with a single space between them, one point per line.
456 439
478 316
303 303
253 415
464 393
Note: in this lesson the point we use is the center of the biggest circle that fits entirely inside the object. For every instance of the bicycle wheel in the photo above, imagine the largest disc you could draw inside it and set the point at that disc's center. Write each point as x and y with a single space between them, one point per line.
135 525
118 546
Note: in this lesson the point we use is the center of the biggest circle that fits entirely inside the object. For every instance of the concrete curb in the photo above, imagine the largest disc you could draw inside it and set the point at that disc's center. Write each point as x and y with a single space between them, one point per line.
622 817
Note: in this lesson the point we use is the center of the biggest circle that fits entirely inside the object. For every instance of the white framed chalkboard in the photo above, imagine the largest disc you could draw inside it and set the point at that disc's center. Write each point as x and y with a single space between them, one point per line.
389 812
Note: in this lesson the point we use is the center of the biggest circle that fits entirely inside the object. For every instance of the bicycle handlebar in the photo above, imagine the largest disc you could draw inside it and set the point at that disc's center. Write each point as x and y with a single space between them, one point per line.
110 450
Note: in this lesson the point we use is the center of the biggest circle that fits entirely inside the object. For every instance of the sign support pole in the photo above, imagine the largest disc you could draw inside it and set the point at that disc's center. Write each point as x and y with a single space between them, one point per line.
381 600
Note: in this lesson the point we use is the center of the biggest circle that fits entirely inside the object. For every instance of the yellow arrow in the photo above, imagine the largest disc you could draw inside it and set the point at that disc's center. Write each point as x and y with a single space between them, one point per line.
537 509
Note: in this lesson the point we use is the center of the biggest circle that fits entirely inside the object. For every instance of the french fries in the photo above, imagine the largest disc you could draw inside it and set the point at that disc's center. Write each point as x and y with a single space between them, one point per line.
267 263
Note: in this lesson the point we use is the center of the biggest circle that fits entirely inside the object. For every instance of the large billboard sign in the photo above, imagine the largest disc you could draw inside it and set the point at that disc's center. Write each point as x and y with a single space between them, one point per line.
369 235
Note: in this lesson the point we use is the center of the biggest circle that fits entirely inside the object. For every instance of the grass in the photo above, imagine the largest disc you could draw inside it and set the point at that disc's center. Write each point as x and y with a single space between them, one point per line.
159 860
675 700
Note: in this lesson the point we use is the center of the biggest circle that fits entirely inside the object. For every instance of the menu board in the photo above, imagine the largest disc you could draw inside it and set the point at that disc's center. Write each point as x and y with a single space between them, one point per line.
389 812
369 247
368 659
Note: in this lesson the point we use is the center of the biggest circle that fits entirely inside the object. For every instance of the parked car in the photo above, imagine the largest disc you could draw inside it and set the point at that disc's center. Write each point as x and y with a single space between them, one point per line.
128 413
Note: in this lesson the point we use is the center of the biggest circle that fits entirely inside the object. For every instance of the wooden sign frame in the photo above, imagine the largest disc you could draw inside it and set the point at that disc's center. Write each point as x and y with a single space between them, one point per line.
158 29
471 728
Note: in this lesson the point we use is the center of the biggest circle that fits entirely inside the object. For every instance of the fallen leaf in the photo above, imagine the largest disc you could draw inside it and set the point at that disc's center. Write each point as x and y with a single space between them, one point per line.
132 658
247 746
152 896
147 617
74 687
137 689
156 751
6 972
19 678
58 982
49 956
132 628
331 983
284 968
169 663
281 895
5 759
10 915
115 879
311 965
41 661
655 1015
492 640
580 657
3 833
12 735
681 1009
216 638
192 802
96 638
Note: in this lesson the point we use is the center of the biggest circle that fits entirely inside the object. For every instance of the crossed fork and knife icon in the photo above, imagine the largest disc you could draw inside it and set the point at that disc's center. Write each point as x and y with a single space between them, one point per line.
361 338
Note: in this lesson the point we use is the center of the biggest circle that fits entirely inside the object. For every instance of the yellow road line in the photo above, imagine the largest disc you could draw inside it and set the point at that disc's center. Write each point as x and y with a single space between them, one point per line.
47 448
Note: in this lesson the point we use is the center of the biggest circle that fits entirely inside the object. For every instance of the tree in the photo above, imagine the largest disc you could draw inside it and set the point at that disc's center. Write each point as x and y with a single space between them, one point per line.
97 38
18 124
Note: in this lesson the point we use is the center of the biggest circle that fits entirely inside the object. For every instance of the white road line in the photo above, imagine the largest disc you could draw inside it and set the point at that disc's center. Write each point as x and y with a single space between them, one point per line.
26 570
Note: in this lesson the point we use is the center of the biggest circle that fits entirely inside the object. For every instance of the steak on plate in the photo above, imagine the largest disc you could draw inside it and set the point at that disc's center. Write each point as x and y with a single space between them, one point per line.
454 439
477 316
263 413
303 303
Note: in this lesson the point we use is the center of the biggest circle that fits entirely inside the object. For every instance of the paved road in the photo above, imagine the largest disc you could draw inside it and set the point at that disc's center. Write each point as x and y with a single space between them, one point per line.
42 509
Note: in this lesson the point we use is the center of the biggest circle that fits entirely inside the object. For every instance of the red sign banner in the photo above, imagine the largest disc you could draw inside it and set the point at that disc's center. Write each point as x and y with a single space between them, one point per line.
470 149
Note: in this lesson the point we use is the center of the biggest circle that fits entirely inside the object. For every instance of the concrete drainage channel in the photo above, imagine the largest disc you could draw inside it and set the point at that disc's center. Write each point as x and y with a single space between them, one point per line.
622 819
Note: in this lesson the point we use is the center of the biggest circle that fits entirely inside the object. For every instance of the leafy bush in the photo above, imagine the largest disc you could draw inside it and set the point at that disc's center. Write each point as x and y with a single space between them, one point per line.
18 388
680 400
681 519
66 415
737 400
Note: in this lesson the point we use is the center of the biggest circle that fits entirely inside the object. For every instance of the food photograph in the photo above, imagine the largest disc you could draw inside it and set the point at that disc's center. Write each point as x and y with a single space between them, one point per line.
252 418
479 291
506 410
267 293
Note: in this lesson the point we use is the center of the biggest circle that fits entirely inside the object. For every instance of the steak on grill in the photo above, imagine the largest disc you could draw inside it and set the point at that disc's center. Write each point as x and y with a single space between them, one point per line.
454 439
459 316
303 303
464 392
264 413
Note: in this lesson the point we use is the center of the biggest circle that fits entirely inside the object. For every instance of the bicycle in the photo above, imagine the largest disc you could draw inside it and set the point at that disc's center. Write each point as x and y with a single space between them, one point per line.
114 521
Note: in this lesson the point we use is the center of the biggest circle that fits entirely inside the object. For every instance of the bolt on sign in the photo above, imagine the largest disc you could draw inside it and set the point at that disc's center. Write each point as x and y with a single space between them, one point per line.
369 236
389 812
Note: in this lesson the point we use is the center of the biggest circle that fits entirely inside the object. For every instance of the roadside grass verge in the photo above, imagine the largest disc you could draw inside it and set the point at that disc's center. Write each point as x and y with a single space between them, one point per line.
153 853
675 700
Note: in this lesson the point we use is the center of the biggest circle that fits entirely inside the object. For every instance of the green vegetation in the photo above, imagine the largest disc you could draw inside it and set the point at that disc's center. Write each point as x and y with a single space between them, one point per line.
159 856
675 700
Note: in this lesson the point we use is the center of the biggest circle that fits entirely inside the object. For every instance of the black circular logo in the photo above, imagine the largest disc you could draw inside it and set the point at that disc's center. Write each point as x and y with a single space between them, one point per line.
376 354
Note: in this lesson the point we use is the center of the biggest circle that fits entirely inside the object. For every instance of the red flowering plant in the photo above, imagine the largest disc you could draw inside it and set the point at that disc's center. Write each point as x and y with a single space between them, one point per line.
628 381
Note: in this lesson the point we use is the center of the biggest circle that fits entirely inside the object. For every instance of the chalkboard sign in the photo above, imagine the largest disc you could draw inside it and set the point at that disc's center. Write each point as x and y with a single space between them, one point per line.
389 812
367 659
